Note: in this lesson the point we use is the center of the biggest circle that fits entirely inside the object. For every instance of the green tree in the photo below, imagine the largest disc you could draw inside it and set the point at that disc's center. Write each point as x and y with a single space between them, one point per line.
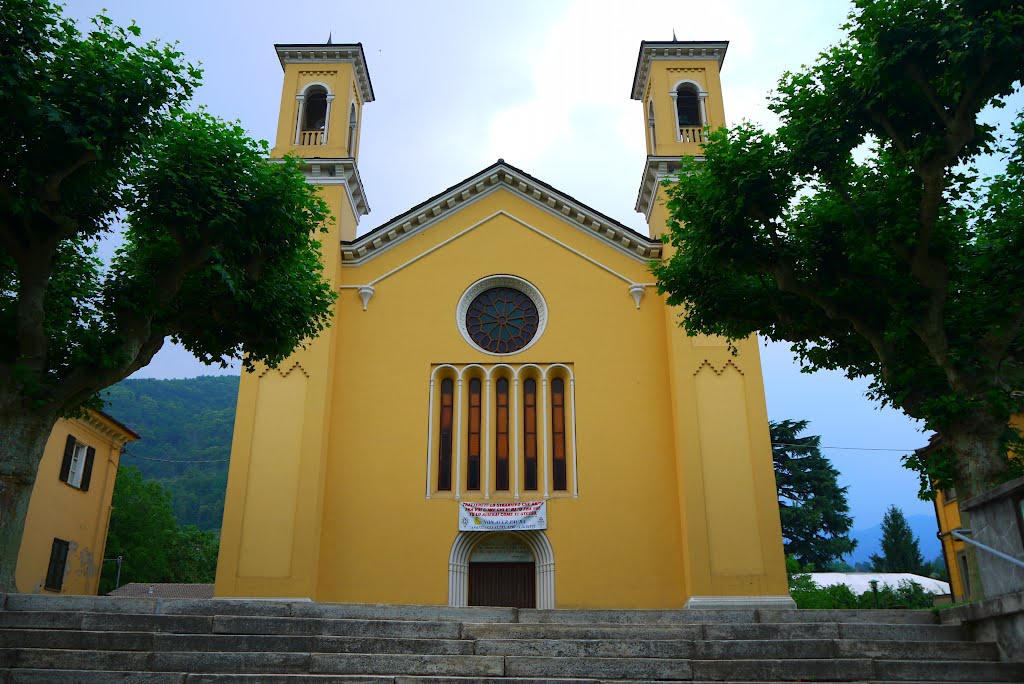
862 231
145 534
193 556
901 551
142 531
218 248
812 506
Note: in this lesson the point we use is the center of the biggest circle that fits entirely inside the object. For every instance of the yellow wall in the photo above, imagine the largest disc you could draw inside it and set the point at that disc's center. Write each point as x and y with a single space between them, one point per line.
329 491
58 510
947 514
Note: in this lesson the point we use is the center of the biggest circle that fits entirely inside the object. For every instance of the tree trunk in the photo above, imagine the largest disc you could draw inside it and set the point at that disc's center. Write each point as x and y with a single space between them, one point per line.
982 461
23 435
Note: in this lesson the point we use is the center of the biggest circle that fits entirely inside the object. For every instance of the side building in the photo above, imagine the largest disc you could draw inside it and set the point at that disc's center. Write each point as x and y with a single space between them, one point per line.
69 513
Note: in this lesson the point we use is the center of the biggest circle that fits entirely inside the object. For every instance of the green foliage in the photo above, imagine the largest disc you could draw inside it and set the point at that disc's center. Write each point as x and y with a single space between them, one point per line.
862 232
218 248
144 533
900 549
936 568
807 594
193 556
142 530
186 428
812 506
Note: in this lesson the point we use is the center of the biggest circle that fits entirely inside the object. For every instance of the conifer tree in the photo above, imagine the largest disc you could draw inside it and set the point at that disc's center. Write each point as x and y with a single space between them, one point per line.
900 549
812 506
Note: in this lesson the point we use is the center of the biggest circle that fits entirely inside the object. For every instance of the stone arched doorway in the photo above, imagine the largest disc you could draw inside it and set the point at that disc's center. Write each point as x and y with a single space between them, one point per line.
507 553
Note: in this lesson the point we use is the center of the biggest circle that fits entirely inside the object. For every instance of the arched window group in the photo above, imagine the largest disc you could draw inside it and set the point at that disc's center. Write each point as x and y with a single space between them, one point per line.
502 431
690 113
313 118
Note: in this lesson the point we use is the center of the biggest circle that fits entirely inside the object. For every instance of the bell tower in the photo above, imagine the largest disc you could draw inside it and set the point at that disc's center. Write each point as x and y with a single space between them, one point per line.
275 494
728 503
679 85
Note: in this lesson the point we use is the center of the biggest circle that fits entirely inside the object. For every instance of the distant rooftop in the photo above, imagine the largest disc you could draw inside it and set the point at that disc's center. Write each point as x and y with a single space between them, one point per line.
859 582
164 590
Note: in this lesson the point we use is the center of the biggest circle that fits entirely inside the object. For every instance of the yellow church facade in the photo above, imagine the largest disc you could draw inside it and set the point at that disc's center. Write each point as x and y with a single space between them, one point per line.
504 410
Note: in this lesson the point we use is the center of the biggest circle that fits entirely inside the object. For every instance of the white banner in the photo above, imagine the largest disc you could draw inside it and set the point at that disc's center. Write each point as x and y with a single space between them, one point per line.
509 515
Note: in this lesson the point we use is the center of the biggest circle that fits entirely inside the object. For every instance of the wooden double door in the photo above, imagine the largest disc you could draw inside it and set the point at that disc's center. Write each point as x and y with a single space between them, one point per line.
503 584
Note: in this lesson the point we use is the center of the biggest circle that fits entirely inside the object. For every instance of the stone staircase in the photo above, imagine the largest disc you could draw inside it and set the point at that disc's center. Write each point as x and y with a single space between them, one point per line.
90 640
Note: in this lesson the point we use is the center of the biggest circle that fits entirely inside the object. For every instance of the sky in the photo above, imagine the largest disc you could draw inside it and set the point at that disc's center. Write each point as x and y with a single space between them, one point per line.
544 85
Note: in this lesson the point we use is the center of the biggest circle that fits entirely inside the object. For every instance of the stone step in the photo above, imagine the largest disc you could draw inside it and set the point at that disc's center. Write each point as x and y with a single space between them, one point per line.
627 669
739 649
183 624
252 607
30 676
228 624
790 630
701 616
148 641
255 663
357 611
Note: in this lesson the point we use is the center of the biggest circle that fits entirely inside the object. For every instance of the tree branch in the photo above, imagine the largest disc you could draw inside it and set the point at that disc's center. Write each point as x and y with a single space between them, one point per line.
50 192
913 70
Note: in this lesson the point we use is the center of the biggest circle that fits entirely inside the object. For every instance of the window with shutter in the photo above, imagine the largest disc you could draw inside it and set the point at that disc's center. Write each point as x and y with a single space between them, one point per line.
76 468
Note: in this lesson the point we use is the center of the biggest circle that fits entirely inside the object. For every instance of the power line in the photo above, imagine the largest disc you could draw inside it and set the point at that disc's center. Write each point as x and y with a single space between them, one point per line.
172 460
805 446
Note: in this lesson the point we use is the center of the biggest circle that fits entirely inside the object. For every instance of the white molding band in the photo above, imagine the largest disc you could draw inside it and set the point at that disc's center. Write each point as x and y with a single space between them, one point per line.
483 184
633 292
535 540
340 171
514 282
656 169
325 54
740 602
674 50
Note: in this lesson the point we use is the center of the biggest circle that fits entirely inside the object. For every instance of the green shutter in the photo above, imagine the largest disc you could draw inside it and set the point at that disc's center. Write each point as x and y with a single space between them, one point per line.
69 453
90 456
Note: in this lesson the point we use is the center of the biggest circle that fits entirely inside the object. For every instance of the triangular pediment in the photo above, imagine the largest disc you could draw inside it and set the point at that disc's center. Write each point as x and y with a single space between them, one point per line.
500 176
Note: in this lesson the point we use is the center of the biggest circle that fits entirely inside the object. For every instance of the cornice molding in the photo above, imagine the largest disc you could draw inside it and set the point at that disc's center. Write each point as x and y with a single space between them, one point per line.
656 169
342 171
651 50
499 176
317 53
108 427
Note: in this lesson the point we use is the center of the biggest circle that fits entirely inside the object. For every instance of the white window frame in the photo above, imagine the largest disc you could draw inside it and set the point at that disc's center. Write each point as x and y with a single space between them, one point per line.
77 468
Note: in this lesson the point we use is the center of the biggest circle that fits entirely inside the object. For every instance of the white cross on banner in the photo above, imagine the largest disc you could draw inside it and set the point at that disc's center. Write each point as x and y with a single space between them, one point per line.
510 515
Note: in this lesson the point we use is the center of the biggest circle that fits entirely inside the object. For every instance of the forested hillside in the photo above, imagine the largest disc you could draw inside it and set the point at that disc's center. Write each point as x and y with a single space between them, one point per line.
186 439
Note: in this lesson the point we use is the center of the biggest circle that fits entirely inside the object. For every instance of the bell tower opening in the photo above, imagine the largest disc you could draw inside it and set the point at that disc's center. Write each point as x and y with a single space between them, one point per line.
314 115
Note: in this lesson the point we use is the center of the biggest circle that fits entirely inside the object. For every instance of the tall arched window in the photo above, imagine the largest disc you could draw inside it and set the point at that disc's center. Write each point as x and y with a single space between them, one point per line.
473 457
530 434
558 434
688 105
352 122
444 456
501 436
314 114
650 123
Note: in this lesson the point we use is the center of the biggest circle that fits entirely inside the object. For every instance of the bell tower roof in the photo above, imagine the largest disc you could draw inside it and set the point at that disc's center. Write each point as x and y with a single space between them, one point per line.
651 50
320 53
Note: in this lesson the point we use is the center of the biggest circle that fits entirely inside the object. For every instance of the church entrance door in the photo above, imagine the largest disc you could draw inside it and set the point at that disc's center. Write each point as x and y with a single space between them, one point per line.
502 573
